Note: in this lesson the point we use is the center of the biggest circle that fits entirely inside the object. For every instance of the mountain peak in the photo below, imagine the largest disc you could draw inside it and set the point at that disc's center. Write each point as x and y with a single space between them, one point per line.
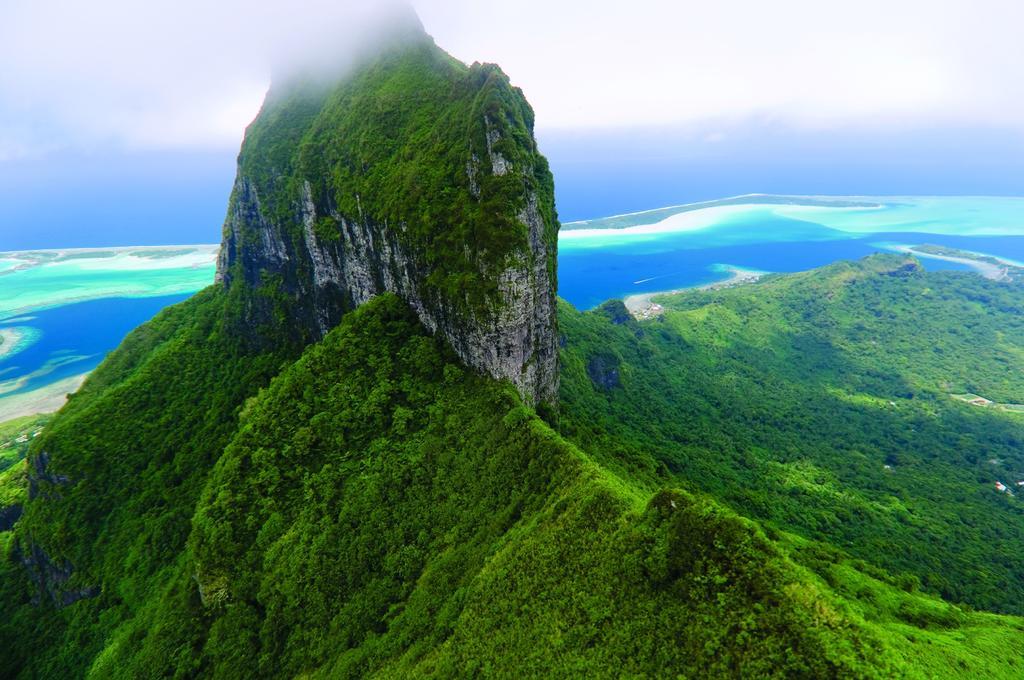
412 174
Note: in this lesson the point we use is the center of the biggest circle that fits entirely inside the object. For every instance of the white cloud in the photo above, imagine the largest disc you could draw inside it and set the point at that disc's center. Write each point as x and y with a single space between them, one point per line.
808 61
160 73
192 73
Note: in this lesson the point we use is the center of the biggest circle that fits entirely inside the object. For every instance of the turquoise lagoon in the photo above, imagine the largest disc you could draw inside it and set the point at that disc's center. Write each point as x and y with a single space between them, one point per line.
61 312
690 245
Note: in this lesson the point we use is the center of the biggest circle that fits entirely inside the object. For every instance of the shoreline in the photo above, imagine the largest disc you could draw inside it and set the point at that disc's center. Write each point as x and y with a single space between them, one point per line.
119 259
994 272
641 306
45 399
100 249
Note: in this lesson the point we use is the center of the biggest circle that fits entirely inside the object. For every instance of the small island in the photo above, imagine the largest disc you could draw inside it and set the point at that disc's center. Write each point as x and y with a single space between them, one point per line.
989 266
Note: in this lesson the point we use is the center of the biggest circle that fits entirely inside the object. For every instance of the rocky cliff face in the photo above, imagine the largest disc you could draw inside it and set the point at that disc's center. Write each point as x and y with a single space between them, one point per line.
414 175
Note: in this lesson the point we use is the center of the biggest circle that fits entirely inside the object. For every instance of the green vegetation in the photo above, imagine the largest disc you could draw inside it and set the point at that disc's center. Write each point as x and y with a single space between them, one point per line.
930 249
136 444
15 437
377 509
768 480
819 403
409 514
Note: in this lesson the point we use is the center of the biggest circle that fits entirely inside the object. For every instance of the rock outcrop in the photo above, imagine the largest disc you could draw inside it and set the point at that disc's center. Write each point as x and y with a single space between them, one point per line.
446 203
52 579
41 480
51 576
603 370
9 515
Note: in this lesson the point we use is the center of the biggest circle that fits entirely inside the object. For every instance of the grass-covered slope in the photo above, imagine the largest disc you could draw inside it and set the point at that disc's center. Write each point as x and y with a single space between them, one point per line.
820 402
380 510
16 436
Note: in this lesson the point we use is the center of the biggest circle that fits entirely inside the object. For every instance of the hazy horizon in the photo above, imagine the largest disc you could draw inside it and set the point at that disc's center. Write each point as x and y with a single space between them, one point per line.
174 197
121 123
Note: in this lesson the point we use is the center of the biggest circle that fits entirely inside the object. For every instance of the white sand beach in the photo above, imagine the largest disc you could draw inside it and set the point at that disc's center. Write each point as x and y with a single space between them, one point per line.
641 305
693 220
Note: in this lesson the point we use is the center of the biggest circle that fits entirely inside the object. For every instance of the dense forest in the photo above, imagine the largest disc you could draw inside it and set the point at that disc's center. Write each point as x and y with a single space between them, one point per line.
378 509
822 403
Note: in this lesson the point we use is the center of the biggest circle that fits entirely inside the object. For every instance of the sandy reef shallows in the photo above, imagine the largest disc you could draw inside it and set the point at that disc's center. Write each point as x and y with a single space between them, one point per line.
14 339
43 279
46 399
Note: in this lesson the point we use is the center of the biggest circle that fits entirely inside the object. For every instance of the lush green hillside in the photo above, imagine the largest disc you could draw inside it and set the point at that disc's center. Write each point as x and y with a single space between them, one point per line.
15 437
381 510
135 445
289 476
820 402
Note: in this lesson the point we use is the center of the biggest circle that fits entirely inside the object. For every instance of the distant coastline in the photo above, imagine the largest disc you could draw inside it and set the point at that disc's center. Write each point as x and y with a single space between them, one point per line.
645 217
989 266
38 279
642 306
48 342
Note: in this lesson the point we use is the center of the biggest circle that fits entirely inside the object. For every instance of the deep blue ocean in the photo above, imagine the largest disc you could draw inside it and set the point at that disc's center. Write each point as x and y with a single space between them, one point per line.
75 338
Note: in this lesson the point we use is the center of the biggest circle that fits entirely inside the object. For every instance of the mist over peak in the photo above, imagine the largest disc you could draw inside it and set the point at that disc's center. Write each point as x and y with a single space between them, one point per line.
328 50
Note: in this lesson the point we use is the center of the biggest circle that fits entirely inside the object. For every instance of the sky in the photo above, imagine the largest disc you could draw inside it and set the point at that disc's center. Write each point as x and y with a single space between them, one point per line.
120 120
